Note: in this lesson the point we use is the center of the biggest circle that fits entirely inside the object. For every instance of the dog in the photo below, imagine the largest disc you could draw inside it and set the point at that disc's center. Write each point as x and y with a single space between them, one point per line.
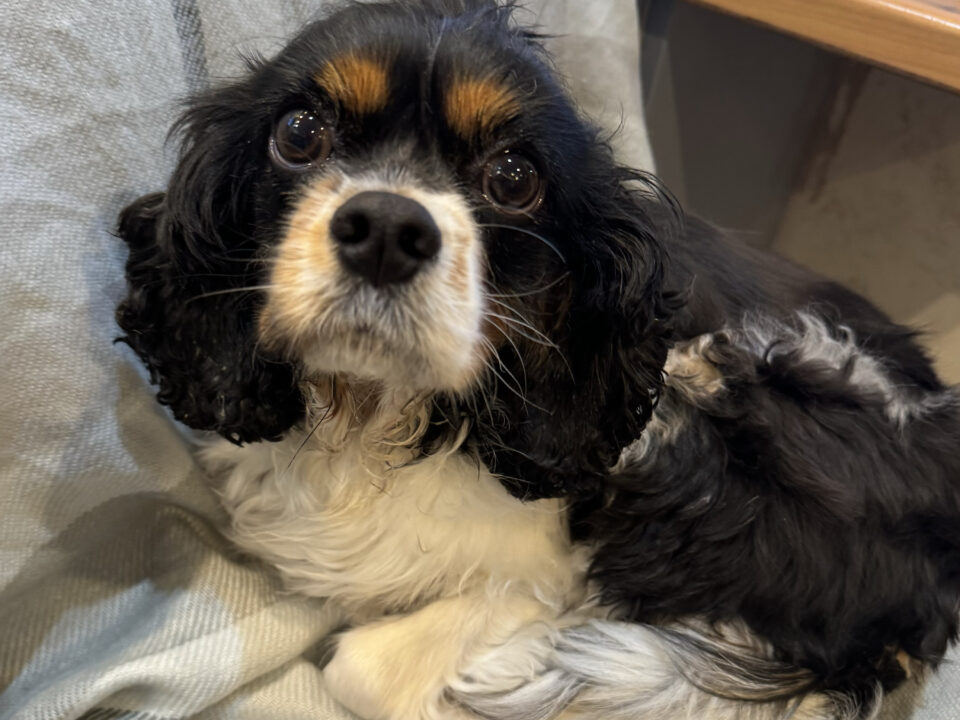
556 449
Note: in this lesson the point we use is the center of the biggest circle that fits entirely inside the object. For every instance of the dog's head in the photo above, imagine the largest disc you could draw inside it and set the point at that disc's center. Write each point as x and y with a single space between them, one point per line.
405 195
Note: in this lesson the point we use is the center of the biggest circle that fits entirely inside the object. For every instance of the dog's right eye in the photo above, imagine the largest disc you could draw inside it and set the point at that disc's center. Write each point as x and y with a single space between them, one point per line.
512 183
300 140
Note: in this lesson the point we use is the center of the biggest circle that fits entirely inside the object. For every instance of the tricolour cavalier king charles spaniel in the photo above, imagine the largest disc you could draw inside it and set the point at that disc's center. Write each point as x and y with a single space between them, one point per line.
555 450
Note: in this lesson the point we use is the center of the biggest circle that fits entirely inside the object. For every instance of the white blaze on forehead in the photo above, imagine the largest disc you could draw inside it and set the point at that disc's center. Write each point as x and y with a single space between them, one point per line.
425 333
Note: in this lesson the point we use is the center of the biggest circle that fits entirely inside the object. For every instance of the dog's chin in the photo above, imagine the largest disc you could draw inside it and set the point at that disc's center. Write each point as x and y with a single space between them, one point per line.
368 356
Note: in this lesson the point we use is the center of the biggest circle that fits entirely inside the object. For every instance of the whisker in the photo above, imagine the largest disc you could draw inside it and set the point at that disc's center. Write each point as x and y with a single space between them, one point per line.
519 316
519 320
494 353
189 276
525 231
228 291
517 325
486 401
522 322
240 259
531 292
514 390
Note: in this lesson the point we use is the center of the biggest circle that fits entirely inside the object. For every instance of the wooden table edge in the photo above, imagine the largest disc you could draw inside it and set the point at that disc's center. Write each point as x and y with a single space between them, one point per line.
918 38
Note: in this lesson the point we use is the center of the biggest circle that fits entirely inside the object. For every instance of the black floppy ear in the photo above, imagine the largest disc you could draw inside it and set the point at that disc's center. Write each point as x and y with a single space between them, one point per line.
187 313
592 394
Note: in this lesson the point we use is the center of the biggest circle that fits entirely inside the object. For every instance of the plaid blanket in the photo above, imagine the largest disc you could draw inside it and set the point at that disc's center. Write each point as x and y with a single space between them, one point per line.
118 594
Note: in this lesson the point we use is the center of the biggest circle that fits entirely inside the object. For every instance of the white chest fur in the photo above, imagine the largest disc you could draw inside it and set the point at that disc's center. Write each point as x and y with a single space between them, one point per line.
364 525
432 559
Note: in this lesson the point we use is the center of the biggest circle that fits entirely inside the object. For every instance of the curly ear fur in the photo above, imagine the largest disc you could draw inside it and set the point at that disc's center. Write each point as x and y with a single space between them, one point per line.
588 397
187 314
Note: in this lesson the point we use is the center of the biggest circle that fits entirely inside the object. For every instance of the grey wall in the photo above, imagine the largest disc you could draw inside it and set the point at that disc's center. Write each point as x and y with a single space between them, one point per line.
730 107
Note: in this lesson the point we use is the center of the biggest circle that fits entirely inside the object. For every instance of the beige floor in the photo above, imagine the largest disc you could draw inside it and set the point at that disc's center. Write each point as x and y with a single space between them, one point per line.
880 210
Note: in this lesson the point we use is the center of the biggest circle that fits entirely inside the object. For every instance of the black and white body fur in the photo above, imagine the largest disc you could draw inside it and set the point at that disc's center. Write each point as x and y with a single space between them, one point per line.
556 451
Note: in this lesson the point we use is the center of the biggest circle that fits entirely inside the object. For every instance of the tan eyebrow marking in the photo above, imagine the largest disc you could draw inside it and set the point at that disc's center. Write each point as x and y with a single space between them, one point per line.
474 106
356 82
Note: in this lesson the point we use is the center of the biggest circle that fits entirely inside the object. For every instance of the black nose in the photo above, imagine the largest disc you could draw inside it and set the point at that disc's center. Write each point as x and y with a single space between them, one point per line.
383 237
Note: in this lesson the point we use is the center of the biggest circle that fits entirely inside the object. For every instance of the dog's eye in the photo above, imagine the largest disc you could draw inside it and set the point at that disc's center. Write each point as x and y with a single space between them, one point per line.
512 182
300 139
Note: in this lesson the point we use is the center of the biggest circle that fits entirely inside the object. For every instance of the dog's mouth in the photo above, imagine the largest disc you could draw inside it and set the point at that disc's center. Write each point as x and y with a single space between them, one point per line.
379 282
384 339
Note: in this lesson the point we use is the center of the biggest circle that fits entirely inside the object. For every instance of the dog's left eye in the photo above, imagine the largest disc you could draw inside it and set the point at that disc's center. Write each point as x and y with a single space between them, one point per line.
300 139
512 182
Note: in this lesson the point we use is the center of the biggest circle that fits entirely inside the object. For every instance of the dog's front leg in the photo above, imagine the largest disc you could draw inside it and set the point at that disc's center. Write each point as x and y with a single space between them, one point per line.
400 668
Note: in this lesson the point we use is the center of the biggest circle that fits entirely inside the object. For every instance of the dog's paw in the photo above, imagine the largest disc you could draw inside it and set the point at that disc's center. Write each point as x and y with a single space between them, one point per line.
374 676
355 677
447 661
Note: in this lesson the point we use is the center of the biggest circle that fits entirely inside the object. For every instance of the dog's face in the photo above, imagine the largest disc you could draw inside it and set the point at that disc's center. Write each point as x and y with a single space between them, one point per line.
405 196
397 141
